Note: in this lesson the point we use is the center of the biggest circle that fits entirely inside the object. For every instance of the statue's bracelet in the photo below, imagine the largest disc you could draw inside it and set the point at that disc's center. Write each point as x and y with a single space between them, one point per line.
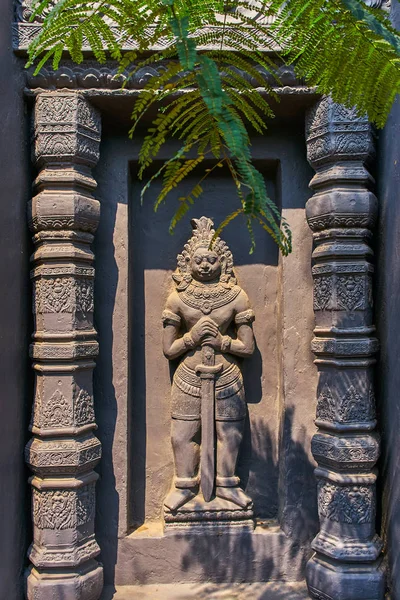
226 343
188 340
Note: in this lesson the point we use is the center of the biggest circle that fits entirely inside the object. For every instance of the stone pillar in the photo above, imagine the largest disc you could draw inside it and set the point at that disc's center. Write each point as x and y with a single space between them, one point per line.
63 450
346 564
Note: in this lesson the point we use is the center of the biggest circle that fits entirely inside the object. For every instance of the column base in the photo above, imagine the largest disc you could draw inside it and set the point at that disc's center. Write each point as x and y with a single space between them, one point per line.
85 583
328 580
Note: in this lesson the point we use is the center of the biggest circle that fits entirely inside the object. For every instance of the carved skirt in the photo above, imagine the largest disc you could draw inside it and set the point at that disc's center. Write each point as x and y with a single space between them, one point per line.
230 402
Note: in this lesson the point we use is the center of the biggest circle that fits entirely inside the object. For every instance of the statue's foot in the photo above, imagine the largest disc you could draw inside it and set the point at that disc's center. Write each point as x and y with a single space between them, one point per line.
178 497
234 494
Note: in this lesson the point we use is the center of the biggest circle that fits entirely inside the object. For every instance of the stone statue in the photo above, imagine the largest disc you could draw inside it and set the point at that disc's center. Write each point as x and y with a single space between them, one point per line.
208 326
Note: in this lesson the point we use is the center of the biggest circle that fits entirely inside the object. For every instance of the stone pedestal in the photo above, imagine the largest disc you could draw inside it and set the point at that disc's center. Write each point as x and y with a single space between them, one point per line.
199 516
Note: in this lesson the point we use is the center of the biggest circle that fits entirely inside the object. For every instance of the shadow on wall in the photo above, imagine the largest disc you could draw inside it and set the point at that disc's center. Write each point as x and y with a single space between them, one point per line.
269 553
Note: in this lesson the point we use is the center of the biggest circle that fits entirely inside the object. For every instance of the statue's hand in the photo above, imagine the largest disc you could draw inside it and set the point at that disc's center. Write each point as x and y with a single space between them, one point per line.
205 327
214 341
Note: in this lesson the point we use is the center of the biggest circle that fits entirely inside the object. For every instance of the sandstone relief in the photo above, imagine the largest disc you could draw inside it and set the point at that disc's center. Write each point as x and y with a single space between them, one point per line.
208 327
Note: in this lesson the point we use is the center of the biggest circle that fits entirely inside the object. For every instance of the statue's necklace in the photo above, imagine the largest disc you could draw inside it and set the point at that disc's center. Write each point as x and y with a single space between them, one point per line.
208 297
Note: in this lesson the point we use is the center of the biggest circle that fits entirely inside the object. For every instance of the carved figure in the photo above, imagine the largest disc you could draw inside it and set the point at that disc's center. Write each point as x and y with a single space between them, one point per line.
208 326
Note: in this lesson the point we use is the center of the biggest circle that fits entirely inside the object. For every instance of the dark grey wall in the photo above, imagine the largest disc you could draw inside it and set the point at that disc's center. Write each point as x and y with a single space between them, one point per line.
15 323
388 323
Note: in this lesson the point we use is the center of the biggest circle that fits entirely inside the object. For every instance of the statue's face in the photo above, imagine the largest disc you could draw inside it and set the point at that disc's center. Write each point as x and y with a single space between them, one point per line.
205 265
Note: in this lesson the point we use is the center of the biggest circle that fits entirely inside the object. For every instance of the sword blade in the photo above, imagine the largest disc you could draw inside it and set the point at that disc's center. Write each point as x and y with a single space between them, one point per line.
207 438
207 371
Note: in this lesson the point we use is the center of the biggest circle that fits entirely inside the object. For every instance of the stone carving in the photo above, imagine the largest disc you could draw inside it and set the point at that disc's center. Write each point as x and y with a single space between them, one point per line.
341 214
89 75
326 406
83 408
322 292
85 504
353 453
63 452
351 292
205 303
345 504
53 295
54 509
57 411
63 509
341 220
84 295
356 406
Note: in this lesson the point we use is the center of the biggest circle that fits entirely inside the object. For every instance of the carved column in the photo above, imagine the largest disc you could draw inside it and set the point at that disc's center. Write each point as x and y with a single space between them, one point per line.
341 214
63 450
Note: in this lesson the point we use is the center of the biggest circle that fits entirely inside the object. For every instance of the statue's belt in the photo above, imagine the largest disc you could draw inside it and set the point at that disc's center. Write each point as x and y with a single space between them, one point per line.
227 383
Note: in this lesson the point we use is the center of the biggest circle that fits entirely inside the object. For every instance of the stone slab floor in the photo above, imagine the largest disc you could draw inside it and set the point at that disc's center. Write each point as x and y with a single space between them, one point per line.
195 591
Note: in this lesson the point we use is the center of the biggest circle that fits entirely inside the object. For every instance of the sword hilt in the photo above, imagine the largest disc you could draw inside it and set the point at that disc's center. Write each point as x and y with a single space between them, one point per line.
208 371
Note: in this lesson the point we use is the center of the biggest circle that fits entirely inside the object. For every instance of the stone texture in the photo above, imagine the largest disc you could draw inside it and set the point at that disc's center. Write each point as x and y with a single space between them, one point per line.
63 217
341 214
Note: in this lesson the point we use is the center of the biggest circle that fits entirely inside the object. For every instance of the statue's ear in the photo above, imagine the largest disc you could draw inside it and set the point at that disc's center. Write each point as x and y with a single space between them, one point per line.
222 260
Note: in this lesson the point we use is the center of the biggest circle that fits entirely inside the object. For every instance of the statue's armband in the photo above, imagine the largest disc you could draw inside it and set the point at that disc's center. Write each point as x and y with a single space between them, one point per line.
170 318
246 316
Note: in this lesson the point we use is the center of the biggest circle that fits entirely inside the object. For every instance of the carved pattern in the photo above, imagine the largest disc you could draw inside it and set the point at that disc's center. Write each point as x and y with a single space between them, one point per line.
356 406
54 509
57 411
356 454
53 295
345 504
84 295
56 109
351 292
355 347
90 75
326 406
64 351
83 408
322 292
209 298
63 509
64 453
85 506
74 556
349 220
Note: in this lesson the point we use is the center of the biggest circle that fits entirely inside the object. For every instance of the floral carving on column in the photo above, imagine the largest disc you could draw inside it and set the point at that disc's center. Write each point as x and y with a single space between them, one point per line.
63 216
347 563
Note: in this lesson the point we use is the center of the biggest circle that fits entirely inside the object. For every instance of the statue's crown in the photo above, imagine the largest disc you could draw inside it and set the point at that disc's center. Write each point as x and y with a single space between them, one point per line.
203 236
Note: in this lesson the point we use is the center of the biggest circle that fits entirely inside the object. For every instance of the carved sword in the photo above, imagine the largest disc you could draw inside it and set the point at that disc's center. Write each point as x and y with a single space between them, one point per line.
207 371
